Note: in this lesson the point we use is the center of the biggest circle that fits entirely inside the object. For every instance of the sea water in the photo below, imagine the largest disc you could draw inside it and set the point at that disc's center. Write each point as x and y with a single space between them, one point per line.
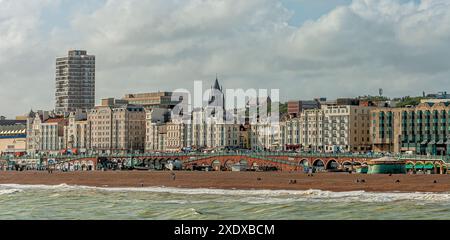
78 202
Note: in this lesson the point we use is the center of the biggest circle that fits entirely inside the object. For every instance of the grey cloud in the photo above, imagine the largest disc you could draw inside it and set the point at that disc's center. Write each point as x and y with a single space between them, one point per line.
163 45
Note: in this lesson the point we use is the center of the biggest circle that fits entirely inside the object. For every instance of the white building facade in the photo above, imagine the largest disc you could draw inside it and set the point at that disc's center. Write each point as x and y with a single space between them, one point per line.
332 128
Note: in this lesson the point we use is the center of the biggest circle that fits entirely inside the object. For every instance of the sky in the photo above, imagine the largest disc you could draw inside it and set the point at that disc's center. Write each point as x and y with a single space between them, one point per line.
305 48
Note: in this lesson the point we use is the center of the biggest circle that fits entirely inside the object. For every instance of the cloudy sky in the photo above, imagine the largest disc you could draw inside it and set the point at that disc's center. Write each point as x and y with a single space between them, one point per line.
306 48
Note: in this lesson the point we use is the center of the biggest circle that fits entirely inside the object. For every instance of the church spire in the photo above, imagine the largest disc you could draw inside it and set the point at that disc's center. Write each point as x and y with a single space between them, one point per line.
216 84
31 114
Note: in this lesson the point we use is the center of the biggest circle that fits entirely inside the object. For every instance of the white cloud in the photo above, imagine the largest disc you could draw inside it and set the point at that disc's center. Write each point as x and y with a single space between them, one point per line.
163 45
160 44
372 44
23 56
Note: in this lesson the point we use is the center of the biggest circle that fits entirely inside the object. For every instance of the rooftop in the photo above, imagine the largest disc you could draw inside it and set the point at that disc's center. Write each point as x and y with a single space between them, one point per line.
12 122
17 128
55 120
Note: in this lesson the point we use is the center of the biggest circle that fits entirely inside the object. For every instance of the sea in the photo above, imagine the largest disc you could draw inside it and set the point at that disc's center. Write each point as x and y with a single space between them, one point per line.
160 203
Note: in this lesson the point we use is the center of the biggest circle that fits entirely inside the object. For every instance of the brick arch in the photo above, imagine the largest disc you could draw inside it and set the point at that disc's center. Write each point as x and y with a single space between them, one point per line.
346 164
302 161
318 160
228 162
328 163
216 164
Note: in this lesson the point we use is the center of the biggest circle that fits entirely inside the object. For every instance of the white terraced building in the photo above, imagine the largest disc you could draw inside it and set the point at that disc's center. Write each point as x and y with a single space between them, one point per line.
331 128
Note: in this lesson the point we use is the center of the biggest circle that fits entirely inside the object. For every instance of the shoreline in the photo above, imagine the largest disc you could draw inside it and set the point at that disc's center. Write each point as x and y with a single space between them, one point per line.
334 182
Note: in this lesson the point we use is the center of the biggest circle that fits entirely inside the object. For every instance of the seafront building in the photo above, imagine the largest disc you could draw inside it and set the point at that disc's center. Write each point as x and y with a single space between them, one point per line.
312 129
347 128
264 136
215 127
207 128
152 100
424 129
76 133
164 133
116 127
294 108
214 132
167 137
45 132
75 82
12 136
334 127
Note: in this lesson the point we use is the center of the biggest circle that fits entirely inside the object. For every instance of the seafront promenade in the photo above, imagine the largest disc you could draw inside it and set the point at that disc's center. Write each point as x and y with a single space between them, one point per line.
221 161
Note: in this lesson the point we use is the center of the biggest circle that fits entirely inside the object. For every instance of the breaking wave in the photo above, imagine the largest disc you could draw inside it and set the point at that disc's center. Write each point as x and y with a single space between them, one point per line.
251 196
9 191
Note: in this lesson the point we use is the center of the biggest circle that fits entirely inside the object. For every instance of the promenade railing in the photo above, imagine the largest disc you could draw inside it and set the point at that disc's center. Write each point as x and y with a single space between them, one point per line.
268 155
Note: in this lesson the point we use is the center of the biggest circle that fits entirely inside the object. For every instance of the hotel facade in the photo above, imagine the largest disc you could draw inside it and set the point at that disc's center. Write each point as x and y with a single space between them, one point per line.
45 132
424 129
116 127
330 128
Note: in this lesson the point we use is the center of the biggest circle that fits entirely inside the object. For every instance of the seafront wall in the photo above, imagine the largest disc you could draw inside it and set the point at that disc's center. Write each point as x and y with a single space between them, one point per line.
217 162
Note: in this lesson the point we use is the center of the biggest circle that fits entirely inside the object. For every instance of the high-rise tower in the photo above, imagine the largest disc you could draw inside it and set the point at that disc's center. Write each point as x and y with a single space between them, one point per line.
75 82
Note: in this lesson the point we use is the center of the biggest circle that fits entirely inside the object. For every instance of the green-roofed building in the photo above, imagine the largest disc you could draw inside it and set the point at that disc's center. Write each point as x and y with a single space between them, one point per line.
423 130
387 165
